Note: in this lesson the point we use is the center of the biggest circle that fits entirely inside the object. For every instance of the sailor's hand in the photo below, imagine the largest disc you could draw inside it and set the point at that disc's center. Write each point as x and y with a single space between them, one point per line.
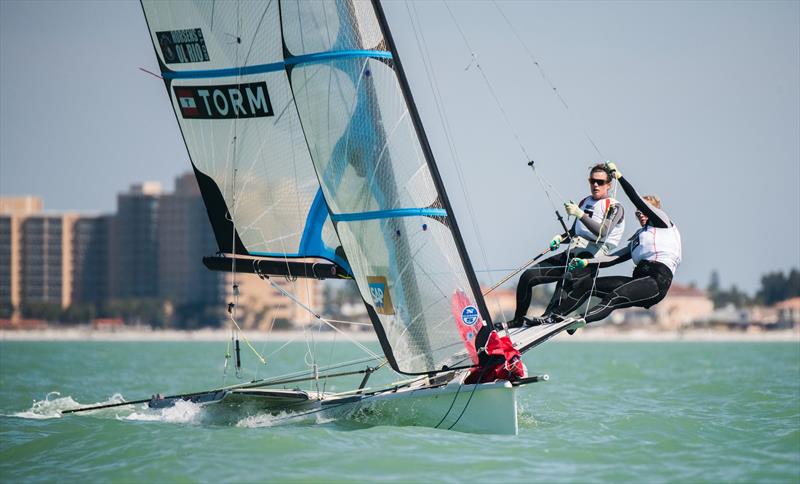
613 170
577 263
573 209
555 242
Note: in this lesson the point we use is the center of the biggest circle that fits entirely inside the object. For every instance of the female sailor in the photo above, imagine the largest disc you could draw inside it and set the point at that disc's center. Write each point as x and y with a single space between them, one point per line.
599 225
655 249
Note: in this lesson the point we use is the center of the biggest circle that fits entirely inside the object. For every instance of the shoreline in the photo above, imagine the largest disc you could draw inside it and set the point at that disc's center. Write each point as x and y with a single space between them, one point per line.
156 335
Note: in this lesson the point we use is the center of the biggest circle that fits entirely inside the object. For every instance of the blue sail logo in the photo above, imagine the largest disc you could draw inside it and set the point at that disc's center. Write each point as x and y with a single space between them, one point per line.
379 292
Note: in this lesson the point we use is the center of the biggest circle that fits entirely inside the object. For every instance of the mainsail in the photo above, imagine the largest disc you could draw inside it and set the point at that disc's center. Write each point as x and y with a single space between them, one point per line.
303 133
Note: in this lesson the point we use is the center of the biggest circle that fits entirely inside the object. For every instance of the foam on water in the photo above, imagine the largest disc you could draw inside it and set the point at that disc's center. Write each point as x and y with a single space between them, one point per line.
183 412
283 418
47 408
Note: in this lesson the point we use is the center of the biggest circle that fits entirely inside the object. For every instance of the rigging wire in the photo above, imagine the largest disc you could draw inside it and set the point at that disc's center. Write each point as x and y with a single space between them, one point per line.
235 287
491 89
597 272
236 329
315 314
547 187
547 80
434 85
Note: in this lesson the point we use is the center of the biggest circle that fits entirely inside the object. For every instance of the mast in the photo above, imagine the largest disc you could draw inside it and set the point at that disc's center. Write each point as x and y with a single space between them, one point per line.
429 158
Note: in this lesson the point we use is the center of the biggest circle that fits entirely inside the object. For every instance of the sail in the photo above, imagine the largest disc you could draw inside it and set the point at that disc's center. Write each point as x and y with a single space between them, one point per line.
241 127
316 88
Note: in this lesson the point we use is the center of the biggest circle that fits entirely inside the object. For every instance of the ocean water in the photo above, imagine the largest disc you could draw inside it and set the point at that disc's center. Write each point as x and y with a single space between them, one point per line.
620 412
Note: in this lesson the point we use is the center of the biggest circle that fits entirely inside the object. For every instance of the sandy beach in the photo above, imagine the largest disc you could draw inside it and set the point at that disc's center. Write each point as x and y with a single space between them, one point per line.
599 333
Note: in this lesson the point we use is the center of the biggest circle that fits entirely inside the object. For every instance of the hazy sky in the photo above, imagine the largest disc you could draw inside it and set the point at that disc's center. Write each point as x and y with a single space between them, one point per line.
698 102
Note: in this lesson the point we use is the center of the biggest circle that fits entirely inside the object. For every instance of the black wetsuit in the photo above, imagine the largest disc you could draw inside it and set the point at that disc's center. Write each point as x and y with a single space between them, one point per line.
649 283
550 270
553 268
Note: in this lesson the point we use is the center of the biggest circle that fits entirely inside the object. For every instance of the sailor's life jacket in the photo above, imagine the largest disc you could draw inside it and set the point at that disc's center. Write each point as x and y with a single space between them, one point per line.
499 361
598 211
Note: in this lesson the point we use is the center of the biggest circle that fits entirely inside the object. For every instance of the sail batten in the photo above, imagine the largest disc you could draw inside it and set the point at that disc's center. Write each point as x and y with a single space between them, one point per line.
276 66
387 214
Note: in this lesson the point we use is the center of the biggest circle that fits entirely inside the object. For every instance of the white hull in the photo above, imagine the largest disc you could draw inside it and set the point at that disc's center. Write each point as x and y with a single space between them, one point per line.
487 408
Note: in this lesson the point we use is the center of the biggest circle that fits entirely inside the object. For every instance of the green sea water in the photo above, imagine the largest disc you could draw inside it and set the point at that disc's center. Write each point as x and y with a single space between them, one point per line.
611 412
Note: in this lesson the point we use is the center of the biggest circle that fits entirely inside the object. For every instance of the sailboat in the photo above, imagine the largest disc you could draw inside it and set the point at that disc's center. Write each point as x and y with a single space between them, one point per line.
312 162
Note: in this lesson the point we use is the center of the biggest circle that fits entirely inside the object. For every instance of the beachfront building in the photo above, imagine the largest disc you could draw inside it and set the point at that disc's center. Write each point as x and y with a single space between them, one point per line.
49 261
150 251
789 313
134 243
681 306
13 211
263 307
91 251
184 238
46 261
38 264
196 295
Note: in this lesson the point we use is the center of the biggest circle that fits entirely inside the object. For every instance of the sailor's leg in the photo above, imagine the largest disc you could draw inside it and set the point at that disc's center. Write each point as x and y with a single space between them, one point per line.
576 287
549 270
627 292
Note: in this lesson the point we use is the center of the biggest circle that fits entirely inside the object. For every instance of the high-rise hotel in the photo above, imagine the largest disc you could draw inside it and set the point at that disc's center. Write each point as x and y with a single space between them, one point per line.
36 259
151 248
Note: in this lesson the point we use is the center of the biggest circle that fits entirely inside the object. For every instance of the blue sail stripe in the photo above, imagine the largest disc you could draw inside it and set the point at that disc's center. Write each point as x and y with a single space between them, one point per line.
384 214
276 66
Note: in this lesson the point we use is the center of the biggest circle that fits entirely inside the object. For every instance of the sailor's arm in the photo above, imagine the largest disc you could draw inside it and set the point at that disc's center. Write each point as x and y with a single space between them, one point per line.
657 217
604 260
612 217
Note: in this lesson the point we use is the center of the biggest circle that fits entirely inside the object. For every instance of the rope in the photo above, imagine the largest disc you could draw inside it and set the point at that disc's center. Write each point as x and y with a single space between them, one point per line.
477 65
517 271
547 80
546 185
434 84
244 337
474 61
316 315
597 273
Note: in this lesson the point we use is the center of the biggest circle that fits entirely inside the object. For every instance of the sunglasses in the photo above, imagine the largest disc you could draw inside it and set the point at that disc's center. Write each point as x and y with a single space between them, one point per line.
595 181
638 213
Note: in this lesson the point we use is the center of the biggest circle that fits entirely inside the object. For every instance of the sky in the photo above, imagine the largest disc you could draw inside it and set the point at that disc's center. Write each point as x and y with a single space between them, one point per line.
697 102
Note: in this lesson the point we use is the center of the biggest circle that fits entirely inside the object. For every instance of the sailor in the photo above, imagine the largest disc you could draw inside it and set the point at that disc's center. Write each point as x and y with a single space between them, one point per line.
655 249
599 225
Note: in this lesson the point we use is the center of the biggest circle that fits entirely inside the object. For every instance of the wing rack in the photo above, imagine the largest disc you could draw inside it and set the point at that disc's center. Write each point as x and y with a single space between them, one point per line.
277 267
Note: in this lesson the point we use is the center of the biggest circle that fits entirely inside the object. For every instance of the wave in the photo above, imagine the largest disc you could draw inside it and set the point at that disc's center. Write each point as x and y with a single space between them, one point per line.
267 419
52 408
183 412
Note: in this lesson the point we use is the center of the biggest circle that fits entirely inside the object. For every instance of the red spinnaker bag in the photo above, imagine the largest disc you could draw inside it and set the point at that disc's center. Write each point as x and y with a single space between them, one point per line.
503 360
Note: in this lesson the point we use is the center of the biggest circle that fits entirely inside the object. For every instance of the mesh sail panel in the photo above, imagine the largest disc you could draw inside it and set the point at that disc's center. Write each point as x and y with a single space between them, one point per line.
223 64
377 181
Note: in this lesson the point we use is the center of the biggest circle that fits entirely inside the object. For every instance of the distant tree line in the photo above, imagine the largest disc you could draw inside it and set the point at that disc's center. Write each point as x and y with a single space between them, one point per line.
775 287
